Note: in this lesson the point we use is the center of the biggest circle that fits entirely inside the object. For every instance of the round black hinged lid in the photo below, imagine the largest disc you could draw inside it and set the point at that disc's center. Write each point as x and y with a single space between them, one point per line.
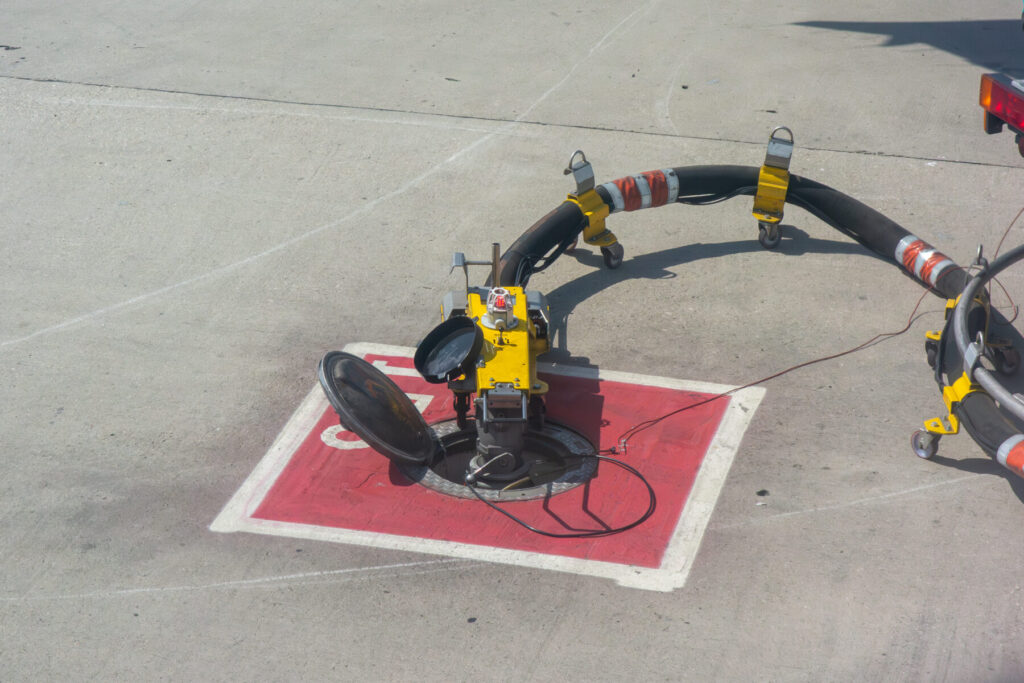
450 350
369 404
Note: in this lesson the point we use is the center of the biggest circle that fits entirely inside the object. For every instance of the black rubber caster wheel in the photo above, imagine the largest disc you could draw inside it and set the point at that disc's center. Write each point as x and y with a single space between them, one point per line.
769 235
613 255
924 443
931 348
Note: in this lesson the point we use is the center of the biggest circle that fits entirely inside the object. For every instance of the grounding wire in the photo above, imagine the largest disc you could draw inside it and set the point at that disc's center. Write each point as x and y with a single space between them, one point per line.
593 533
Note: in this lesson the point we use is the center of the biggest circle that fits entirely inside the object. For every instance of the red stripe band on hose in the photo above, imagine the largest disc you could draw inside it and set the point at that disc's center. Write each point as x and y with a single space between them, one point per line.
1011 454
911 252
922 260
659 187
631 198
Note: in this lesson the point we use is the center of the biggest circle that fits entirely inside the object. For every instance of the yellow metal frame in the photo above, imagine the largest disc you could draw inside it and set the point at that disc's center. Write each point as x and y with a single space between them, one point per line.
509 356
936 335
951 396
772 186
595 210
963 386
981 300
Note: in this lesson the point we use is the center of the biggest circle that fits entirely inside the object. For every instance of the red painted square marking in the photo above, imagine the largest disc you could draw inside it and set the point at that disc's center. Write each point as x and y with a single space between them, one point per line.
319 481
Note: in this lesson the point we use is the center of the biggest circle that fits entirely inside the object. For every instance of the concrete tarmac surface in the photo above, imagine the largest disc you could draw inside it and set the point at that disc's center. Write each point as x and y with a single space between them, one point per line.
198 200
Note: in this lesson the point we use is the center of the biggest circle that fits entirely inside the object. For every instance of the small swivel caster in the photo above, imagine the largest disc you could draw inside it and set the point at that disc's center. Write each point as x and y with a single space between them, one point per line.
768 234
924 443
613 255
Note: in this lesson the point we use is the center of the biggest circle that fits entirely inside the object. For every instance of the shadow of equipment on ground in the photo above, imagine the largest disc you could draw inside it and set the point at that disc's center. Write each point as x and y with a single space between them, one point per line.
656 266
983 466
996 44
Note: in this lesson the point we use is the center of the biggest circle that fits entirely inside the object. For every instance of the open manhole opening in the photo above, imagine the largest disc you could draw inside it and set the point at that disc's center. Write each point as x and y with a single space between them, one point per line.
556 448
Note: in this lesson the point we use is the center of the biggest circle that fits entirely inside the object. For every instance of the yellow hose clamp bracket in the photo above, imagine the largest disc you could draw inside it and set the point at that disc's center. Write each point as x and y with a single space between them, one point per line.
936 335
772 186
589 201
951 396
596 211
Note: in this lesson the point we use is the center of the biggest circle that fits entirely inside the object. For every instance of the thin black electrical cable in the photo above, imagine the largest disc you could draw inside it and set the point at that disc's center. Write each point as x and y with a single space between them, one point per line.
652 504
795 200
546 261
529 265
707 199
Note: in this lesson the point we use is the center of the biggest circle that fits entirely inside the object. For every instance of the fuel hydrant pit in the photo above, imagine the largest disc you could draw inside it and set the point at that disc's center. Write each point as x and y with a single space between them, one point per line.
553 449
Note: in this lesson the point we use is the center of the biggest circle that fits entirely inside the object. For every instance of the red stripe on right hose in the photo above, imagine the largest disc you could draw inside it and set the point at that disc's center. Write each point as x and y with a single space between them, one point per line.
1015 459
926 269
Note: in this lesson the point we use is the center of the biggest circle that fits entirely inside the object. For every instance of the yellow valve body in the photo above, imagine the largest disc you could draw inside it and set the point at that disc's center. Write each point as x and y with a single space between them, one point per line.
509 356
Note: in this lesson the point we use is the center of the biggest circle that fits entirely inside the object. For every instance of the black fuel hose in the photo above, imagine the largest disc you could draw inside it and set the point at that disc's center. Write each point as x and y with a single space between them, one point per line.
859 221
545 240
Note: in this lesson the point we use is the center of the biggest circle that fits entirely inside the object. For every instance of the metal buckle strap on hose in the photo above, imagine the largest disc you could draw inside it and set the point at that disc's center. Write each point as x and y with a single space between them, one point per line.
586 197
773 179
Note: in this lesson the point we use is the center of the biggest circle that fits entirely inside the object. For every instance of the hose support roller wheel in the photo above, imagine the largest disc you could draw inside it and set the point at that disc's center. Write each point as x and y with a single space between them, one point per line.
613 255
924 443
769 235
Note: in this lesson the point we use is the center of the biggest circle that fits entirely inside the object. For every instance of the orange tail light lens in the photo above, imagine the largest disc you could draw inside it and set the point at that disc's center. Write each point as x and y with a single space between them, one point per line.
1003 98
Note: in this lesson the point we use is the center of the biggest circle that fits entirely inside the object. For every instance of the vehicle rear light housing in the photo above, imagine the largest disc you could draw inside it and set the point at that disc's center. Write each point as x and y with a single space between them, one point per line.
1002 98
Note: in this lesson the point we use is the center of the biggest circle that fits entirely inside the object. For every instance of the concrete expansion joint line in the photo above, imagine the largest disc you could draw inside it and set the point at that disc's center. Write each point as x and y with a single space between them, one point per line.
497 119
287 580
849 504
365 208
